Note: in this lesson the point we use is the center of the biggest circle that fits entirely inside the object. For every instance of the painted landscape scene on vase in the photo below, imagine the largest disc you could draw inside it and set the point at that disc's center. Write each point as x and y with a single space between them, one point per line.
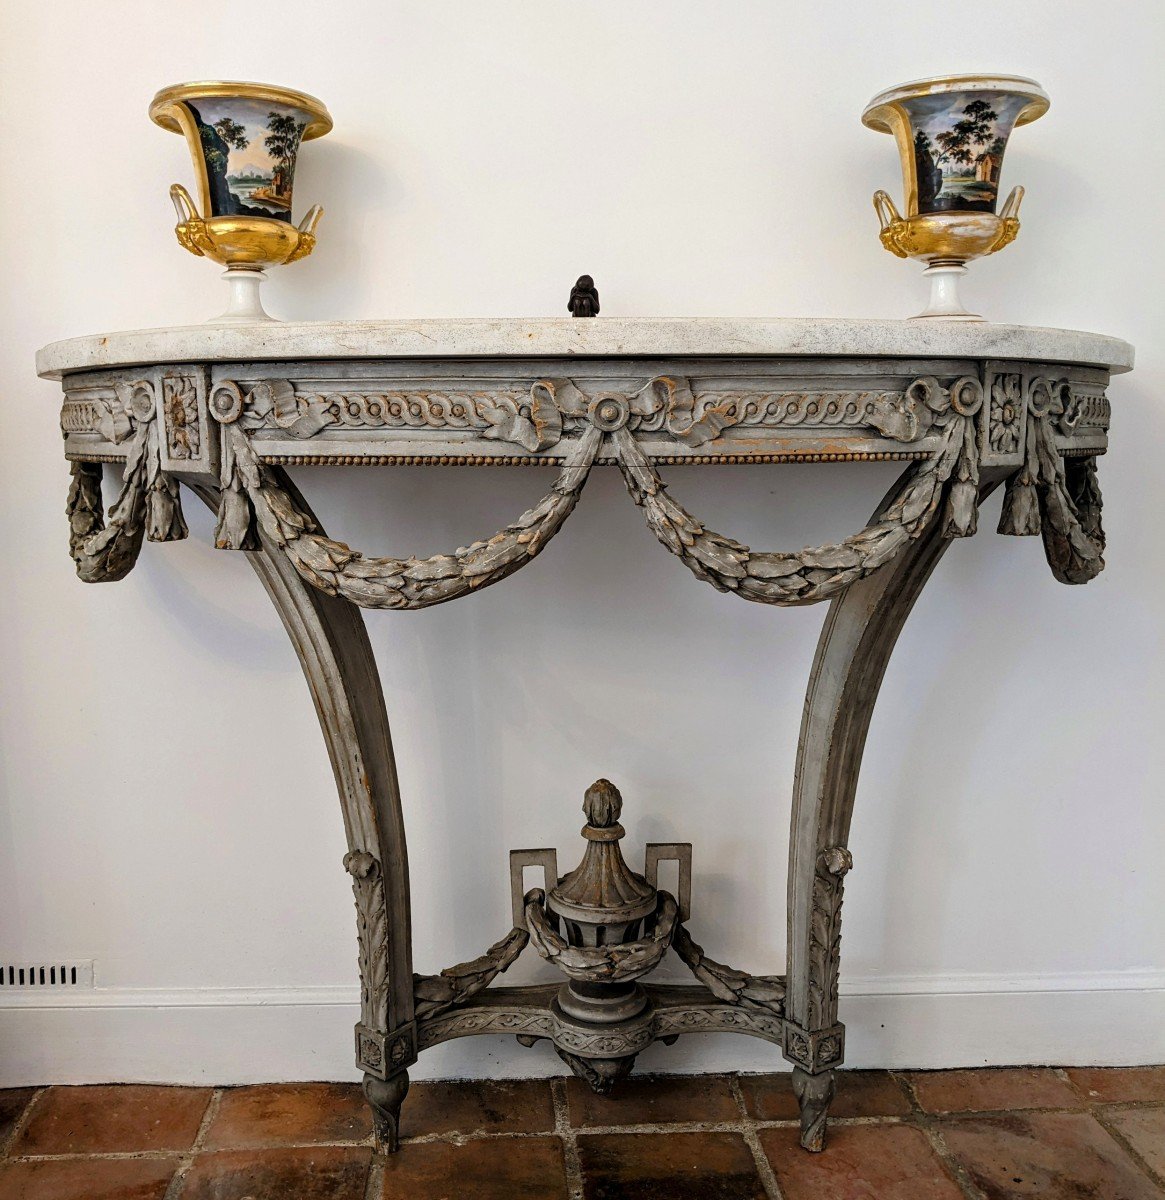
250 148
959 139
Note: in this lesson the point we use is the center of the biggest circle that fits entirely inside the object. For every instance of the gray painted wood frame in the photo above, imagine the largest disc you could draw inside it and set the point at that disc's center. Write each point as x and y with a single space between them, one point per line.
226 425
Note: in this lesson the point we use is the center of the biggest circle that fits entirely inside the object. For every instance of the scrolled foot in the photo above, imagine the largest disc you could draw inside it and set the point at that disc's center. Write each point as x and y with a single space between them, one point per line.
385 1096
814 1093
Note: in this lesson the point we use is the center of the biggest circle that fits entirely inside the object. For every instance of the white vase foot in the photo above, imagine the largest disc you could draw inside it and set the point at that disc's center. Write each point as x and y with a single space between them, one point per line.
245 303
944 303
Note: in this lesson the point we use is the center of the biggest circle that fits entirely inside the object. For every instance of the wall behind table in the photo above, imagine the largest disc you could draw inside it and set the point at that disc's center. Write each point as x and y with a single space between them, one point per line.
167 808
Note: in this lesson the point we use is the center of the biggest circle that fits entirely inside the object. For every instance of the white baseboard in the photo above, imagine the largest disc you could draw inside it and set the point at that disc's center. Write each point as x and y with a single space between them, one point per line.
237 1035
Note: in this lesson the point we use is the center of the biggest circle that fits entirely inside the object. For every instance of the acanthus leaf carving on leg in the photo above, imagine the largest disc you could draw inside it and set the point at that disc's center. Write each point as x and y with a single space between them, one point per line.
825 936
371 935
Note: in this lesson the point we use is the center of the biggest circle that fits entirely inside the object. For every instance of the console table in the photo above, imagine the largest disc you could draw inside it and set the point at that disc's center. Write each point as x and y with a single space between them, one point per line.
226 409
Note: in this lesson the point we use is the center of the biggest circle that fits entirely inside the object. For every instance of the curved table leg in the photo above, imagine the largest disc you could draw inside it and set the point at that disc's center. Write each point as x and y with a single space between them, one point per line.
859 634
333 648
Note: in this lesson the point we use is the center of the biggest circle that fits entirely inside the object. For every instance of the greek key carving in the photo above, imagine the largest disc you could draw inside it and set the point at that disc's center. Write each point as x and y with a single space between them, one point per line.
535 419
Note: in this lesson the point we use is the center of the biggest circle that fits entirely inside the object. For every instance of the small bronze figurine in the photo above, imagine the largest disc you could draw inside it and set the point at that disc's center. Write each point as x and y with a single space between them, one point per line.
584 298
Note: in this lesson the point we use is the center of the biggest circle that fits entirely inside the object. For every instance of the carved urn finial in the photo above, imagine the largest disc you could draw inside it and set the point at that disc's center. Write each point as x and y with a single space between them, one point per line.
602 901
604 926
602 804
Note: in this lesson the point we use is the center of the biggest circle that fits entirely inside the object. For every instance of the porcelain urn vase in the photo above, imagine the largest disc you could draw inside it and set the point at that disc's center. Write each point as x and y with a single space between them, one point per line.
244 139
952 133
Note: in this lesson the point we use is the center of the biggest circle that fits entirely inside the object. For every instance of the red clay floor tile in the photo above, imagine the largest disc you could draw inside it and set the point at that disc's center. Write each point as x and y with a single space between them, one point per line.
1144 1130
87 1179
668 1166
286 1114
992 1089
300 1173
1115 1085
503 1168
13 1102
648 1100
860 1162
478 1106
859 1094
1055 1156
115 1118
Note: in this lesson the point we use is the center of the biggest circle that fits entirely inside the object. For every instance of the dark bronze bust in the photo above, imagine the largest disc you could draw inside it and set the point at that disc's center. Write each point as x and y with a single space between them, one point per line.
584 298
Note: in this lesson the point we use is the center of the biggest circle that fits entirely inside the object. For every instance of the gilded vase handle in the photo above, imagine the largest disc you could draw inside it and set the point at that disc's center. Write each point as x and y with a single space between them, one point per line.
1011 204
1008 220
884 207
191 228
307 234
893 227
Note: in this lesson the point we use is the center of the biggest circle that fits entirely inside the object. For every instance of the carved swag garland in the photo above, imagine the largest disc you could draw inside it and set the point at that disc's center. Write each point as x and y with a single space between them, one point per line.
1060 500
254 500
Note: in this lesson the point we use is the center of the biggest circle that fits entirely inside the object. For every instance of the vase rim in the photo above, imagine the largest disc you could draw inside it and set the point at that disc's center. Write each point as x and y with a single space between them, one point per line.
874 116
210 89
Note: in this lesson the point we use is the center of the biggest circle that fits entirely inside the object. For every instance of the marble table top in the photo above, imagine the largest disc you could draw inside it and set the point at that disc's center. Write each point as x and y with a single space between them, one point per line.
602 337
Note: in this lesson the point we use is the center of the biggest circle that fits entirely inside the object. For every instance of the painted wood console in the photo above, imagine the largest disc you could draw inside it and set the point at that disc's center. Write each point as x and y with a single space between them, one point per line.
225 410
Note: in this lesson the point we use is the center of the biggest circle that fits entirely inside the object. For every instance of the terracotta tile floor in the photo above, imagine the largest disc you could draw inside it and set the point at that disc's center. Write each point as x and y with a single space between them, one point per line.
1076 1134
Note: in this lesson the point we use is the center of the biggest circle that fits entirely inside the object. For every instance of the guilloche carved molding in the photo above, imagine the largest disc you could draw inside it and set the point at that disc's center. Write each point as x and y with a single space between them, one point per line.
537 418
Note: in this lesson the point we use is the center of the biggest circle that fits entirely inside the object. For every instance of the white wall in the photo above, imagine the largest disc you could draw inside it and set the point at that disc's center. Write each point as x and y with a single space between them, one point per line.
167 808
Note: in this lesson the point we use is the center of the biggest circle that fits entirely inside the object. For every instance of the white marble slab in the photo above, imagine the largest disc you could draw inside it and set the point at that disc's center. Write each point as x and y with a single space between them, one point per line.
598 337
